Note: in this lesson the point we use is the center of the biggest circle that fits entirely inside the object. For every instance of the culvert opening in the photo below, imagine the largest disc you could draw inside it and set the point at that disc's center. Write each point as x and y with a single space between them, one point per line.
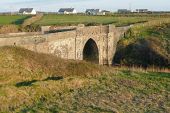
90 52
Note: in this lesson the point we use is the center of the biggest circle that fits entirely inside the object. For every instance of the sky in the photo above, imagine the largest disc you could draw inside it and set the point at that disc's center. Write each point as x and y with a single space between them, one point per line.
81 5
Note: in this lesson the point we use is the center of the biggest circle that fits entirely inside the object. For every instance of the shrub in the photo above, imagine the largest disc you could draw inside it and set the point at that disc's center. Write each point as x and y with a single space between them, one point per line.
145 46
31 28
8 29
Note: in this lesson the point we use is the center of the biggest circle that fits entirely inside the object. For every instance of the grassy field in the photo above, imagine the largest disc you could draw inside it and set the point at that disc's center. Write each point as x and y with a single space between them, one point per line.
12 19
89 20
67 20
31 82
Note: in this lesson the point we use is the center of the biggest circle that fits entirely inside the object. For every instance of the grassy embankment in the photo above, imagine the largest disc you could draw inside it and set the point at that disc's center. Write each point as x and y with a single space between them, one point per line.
19 23
11 23
146 45
31 82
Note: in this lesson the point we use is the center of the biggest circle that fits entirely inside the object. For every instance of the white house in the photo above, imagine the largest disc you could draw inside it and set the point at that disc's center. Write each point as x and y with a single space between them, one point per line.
27 11
95 12
67 11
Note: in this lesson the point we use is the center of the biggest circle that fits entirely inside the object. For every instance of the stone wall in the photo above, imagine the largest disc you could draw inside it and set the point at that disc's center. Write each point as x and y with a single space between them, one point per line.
70 44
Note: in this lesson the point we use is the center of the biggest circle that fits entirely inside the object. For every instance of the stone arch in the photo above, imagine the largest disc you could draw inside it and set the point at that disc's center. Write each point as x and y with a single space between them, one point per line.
91 51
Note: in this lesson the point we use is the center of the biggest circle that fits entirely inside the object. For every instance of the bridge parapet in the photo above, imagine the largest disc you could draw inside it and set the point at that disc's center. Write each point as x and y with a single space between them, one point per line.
92 30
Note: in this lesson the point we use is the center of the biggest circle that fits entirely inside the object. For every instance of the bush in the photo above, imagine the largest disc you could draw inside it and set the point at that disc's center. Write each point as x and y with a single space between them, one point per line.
145 47
31 28
143 52
8 29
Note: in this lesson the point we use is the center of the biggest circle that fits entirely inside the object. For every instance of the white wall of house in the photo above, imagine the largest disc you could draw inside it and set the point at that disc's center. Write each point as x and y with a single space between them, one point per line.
74 12
30 13
65 12
33 12
101 13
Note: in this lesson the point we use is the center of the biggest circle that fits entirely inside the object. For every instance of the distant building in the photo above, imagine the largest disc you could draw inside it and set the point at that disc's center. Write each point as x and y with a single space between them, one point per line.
123 11
96 12
27 11
92 11
67 11
105 12
142 10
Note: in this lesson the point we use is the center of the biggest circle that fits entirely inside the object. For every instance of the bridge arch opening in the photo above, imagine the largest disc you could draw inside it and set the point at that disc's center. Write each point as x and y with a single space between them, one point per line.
91 52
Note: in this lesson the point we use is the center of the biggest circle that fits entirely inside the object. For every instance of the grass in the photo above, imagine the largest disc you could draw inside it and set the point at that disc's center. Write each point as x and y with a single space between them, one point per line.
12 19
33 24
146 45
31 82
89 20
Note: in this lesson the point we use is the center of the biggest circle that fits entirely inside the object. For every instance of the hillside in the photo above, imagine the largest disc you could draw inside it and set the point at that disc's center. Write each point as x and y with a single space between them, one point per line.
146 45
32 82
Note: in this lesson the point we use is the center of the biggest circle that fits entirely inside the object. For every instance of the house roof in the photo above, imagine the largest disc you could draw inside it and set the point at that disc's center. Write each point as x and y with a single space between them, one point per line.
122 9
28 10
66 10
141 9
92 10
106 11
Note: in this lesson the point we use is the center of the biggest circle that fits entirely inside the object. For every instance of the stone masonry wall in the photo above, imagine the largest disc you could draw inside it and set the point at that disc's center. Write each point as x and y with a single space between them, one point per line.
70 44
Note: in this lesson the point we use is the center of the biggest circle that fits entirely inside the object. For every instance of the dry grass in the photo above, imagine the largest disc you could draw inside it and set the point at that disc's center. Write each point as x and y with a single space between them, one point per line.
146 45
31 82
25 64
32 20
8 29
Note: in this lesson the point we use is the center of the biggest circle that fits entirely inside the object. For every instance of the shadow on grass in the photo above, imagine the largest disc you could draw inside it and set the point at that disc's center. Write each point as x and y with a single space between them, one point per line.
25 83
20 21
30 83
53 78
127 72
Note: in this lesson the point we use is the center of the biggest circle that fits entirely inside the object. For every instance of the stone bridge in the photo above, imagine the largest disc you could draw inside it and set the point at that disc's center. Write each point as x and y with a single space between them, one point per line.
95 43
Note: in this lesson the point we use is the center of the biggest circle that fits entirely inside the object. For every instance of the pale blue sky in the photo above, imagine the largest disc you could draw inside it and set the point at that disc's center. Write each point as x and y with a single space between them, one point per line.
81 5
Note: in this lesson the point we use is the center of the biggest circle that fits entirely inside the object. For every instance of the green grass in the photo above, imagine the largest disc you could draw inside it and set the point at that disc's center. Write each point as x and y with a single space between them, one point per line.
127 92
66 20
12 19
31 82
146 45
89 20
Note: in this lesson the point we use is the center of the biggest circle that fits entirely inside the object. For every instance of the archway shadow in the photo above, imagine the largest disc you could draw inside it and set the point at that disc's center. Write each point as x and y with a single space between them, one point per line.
91 52
143 52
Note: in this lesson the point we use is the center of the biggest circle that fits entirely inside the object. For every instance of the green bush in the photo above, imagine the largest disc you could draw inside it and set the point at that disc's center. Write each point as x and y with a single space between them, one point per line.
145 47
